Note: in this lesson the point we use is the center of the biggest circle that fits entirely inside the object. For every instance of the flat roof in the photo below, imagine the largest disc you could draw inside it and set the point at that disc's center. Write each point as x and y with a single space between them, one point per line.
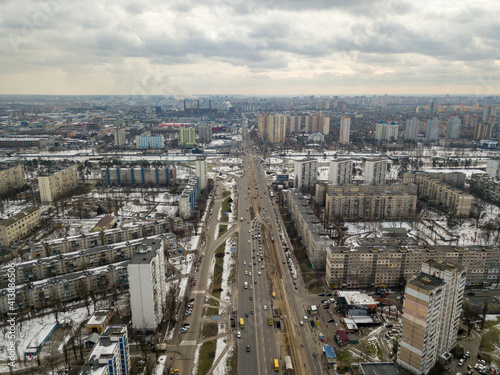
427 282
379 368
356 298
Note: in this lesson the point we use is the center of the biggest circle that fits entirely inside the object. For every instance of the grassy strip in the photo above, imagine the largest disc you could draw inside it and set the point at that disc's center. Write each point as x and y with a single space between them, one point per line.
491 323
345 359
226 193
209 330
217 280
207 356
231 365
222 230
374 348
489 340
225 208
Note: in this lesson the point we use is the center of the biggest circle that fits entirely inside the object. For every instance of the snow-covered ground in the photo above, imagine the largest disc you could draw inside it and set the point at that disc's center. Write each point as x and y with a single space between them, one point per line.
160 365
182 263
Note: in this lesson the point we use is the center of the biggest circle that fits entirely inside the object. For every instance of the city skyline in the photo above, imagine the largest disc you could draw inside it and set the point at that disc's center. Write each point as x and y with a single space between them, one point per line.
249 48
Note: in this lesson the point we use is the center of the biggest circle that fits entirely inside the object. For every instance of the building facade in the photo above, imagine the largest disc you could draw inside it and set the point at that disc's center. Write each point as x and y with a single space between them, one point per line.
340 172
433 127
149 141
189 197
388 266
187 137
387 131
19 225
201 172
454 125
431 315
139 176
345 130
412 127
306 173
146 273
493 169
375 171
119 136
379 202
54 185
482 131
486 187
11 179
205 133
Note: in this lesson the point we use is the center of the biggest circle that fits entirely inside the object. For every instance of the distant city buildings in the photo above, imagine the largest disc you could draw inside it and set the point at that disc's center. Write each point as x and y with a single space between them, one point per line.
489 114
387 131
187 137
272 127
146 274
431 317
306 173
149 141
345 130
139 176
493 169
454 125
11 178
52 186
482 131
375 171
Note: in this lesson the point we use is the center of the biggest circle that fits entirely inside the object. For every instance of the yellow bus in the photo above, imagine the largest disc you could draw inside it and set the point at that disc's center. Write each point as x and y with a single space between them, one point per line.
276 365
242 323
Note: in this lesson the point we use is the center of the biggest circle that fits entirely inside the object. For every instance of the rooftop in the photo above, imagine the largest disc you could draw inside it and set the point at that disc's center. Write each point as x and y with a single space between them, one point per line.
356 298
426 282
99 317
381 368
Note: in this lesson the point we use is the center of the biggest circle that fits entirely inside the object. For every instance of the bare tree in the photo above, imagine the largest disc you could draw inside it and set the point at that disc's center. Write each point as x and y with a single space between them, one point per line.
471 316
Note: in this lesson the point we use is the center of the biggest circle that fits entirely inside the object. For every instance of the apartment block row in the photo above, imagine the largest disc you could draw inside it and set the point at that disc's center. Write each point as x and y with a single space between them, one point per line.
11 179
371 202
139 176
76 285
486 187
309 227
389 266
127 232
432 188
53 185
57 265
275 127
19 225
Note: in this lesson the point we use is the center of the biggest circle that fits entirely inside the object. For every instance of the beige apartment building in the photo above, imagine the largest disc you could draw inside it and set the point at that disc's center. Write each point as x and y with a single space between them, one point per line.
431 188
389 266
371 202
431 315
54 185
11 178
18 226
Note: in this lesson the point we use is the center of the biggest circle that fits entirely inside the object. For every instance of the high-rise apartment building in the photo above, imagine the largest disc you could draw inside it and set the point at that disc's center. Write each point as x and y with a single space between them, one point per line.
187 137
139 176
120 136
431 315
294 124
489 111
146 276
306 171
387 132
412 126
54 185
470 120
317 123
345 129
493 169
11 178
189 197
149 141
205 133
201 172
375 171
483 131
433 126
454 124
111 354
340 172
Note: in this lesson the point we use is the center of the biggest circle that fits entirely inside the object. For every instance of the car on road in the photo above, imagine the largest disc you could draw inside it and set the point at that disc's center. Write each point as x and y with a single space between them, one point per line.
484 290
265 307
321 294
248 241
239 334
251 298
251 287
244 263
259 273
249 264
250 274
294 282
248 348
191 300
246 272
251 312
461 362
255 281
246 315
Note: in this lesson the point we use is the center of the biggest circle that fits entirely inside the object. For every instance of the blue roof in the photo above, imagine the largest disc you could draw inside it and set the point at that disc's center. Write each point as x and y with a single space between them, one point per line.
330 353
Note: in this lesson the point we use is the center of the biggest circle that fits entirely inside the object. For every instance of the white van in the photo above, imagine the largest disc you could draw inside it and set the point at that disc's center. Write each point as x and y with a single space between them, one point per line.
305 318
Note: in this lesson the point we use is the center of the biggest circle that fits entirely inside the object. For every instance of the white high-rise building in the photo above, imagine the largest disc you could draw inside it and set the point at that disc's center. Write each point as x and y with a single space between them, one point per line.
493 168
340 172
412 129
454 124
54 185
431 315
375 171
387 132
345 129
306 171
201 172
146 276
433 129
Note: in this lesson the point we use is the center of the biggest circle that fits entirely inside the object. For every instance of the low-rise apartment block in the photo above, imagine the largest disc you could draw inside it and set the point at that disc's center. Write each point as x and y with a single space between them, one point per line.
389 266
54 185
309 227
19 225
11 179
486 187
371 202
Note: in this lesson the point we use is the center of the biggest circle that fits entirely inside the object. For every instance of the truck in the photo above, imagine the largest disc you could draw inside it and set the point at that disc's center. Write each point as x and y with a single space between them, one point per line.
246 285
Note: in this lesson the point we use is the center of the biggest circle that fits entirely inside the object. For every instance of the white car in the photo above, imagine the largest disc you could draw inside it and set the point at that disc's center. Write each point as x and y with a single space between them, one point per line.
259 273
248 241
249 274
265 307
246 272
244 263
251 287
239 334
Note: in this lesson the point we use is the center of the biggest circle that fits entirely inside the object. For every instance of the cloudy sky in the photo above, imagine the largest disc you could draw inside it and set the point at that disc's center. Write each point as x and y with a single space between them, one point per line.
266 47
